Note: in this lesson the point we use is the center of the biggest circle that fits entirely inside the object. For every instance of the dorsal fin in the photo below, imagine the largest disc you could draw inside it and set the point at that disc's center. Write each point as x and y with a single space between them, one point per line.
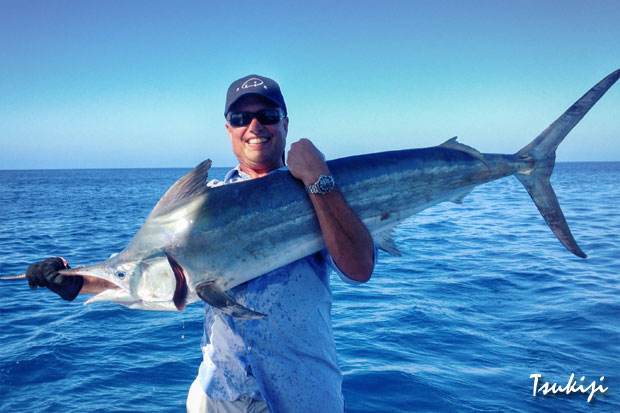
458 146
192 184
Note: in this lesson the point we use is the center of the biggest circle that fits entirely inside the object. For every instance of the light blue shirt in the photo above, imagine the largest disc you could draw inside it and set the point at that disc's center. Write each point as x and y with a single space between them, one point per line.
289 357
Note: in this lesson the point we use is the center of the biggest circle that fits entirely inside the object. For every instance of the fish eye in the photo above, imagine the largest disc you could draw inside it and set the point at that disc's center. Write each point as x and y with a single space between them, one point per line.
121 274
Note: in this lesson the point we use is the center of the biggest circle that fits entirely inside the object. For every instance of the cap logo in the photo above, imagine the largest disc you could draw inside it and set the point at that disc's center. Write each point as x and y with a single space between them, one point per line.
252 82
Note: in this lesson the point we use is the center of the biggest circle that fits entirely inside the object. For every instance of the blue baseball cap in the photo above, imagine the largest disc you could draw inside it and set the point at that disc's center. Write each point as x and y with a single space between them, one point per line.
254 85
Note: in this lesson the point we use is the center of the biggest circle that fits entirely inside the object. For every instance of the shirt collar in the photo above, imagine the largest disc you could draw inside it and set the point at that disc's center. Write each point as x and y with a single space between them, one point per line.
237 174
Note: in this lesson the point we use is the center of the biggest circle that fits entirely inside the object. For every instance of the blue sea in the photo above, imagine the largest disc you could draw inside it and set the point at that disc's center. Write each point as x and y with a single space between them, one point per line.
483 297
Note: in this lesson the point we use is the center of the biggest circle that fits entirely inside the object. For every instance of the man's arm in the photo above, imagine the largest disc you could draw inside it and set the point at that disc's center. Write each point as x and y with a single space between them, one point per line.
347 239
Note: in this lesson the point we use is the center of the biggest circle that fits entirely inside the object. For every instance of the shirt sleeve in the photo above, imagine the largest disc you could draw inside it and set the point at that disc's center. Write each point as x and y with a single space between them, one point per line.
330 261
214 182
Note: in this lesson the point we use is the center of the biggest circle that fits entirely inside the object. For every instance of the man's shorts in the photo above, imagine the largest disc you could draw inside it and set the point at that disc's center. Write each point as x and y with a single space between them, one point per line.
198 402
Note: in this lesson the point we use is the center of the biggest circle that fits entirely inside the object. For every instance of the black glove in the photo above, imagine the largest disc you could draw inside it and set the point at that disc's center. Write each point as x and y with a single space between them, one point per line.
45 274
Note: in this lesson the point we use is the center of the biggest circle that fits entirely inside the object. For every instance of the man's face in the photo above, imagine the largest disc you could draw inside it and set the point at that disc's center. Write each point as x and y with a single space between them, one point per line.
258 147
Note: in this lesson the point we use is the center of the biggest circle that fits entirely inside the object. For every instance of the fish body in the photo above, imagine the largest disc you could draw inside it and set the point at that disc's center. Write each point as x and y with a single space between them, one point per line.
199 242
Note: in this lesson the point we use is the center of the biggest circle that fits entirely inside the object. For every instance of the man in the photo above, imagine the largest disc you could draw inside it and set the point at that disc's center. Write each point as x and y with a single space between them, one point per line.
285 362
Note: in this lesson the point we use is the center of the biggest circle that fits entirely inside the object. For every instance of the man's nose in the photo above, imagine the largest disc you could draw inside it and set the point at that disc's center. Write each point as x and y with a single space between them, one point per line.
255 124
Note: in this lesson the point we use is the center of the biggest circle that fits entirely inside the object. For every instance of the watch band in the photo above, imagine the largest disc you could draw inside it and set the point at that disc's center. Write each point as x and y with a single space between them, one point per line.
323 185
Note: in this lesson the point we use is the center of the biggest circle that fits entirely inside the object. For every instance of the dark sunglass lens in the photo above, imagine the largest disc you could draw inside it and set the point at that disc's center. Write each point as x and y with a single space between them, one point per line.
239 119
268 116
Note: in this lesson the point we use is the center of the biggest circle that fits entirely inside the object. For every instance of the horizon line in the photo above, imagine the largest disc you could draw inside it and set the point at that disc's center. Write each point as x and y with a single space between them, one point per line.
192 167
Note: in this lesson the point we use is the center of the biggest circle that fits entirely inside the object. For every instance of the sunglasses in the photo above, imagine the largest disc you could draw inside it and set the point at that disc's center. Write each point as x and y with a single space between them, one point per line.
265 117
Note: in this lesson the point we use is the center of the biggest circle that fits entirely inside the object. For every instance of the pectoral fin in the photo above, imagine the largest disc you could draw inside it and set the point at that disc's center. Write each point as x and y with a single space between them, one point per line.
216 297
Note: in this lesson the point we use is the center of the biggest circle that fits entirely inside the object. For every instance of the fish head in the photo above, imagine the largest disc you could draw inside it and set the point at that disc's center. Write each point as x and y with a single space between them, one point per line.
149 284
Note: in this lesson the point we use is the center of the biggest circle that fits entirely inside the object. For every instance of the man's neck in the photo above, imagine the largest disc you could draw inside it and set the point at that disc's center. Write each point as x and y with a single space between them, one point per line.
259 171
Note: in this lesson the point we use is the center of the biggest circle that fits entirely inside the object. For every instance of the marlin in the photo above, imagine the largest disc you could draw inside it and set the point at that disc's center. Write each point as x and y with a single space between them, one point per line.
199 242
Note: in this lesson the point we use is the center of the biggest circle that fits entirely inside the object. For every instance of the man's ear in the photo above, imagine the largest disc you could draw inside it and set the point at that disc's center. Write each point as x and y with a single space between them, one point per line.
285 124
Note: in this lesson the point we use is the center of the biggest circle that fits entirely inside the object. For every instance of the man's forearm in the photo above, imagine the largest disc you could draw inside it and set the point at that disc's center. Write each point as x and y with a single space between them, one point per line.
347 239
345 236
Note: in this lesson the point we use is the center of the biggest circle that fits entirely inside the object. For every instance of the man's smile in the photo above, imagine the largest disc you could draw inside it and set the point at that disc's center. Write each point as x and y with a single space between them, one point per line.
257 141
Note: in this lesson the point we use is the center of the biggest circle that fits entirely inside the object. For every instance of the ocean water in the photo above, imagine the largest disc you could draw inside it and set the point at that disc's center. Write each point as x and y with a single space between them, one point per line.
483 297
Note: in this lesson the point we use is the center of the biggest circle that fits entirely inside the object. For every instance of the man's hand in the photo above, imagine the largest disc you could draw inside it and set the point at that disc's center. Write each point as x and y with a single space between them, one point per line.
306 162
45 274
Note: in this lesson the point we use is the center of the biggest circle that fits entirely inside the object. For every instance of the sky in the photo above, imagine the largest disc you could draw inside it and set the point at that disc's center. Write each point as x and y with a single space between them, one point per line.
132 84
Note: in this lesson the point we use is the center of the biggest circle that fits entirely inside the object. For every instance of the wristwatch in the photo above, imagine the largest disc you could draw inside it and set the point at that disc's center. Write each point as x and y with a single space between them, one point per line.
323 185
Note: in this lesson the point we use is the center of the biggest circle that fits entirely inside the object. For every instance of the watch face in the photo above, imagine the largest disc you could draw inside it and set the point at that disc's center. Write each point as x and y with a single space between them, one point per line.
325 184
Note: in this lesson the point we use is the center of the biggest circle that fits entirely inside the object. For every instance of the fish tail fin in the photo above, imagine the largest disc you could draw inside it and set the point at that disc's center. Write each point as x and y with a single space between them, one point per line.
541 152
539 188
